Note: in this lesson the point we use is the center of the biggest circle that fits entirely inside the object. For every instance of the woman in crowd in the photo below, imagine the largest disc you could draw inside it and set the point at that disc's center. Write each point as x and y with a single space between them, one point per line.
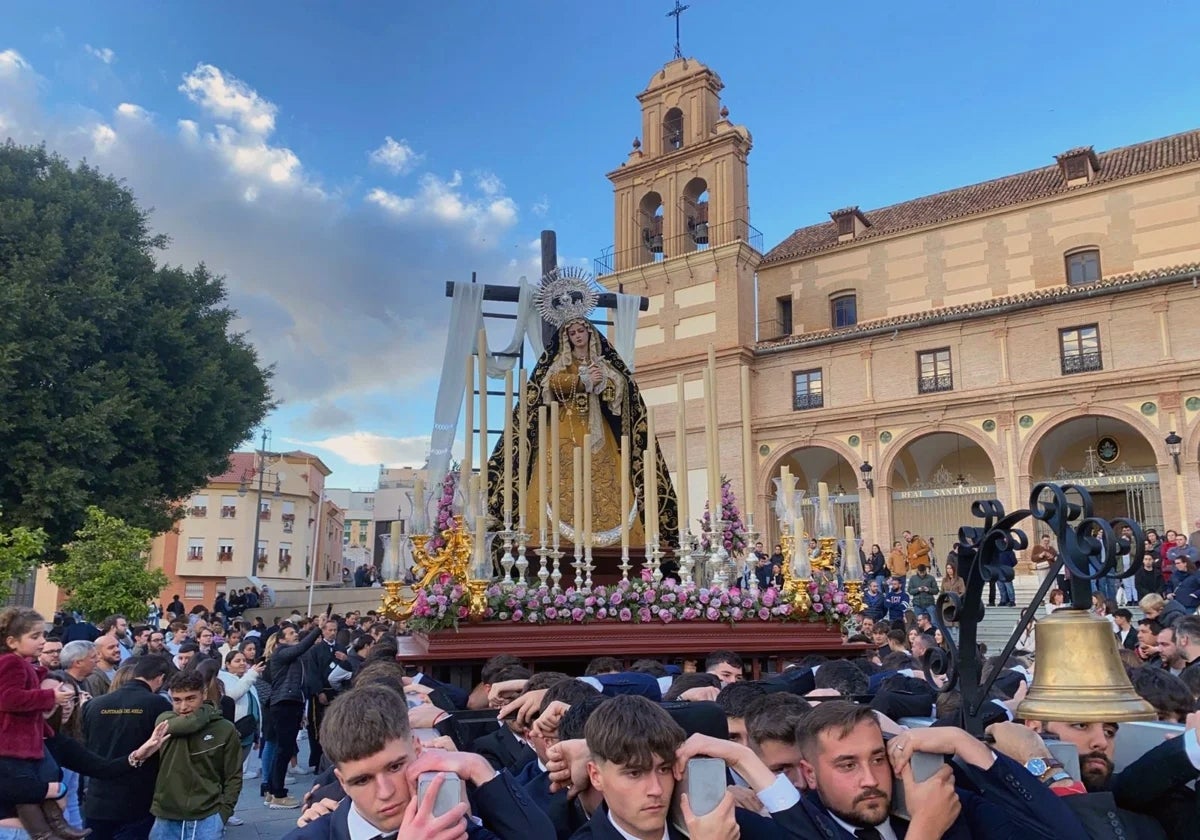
1057 597
240 681
876 565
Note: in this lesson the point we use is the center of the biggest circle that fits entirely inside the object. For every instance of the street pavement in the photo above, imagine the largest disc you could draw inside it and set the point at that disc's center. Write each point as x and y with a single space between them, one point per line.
261 822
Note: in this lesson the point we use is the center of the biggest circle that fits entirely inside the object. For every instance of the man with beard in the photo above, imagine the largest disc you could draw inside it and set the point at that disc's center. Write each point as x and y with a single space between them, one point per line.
108 659
848 769
1155 784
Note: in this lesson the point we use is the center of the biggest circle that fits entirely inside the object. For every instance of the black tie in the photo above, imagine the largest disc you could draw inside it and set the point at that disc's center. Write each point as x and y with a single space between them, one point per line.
868 834
392 836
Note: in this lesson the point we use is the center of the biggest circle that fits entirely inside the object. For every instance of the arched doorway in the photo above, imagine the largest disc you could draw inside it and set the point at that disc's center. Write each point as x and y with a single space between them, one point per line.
934 479
814 464
1108 456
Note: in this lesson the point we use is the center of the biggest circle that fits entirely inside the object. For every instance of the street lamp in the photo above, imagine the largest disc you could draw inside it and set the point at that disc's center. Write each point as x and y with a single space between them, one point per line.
866 469
1173 443
244 487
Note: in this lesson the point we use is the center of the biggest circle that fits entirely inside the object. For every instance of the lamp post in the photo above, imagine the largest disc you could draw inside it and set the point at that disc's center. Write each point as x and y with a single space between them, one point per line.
243 488
866 469
1174 442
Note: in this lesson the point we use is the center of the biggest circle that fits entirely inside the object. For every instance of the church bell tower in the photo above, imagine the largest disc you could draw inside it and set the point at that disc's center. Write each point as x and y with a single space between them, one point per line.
683 239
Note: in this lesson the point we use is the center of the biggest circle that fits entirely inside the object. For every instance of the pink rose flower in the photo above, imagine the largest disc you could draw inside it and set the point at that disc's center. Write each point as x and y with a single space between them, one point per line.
764 614
577 615
602 613
517 615
666 616
644 614
463 612
711 614
625 614
551 613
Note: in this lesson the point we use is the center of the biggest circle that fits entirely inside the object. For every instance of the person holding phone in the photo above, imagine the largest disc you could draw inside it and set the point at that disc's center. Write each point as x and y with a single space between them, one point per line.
378 764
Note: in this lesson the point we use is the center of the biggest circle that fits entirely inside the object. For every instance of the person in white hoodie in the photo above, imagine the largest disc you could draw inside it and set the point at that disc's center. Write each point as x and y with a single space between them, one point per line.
239 678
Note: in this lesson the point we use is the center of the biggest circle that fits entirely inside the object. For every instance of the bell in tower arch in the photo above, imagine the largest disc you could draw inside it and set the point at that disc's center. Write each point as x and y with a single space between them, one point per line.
673 130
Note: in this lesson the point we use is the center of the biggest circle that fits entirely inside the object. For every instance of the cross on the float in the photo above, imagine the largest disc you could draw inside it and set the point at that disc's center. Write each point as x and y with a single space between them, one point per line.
512 294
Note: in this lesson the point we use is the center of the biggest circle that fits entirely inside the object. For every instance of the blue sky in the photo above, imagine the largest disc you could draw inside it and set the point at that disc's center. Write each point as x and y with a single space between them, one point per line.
258 132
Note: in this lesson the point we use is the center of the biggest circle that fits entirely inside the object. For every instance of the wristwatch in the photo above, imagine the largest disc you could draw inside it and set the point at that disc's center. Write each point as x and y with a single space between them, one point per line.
1040 767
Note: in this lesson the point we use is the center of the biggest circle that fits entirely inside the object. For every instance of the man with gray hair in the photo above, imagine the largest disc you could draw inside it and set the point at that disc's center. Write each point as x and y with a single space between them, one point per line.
77 662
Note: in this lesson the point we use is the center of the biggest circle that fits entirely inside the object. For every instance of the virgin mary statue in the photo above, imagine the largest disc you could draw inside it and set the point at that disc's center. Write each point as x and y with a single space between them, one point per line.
582 377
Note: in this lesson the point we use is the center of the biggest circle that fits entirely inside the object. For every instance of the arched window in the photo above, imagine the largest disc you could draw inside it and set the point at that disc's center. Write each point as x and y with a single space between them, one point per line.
1083 266
673 130
650 219
695 214
843 310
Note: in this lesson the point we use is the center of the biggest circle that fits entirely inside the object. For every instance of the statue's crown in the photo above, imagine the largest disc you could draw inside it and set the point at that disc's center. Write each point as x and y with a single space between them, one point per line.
566 294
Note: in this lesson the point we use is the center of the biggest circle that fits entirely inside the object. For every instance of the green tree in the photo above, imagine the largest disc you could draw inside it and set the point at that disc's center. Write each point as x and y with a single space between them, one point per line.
122 384
106 569
21 549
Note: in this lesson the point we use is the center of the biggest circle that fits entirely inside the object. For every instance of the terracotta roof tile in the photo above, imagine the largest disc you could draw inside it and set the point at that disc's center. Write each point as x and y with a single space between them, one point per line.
240 463
1138 159
986 306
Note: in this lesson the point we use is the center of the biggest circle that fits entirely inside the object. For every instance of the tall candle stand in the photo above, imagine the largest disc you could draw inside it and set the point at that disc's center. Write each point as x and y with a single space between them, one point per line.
522 560
718 558
752 536
507 561
624 565
684 554
543 553
588 568
656 556
555 572
577 559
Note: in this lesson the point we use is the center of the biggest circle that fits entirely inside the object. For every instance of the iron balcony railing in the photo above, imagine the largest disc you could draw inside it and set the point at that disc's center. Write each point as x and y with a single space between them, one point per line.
655 247
1081 362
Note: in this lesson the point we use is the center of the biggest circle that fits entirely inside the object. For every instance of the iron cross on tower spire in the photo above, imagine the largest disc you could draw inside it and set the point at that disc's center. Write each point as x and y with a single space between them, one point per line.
676 13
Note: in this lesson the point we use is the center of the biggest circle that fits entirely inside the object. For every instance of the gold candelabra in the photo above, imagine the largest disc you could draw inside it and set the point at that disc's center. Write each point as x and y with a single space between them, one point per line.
453 560
795 590
854 596
478 605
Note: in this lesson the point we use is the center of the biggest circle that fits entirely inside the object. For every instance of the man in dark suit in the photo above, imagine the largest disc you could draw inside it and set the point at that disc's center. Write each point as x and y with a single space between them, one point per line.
369 741
848 770
502 747
316 684
634 745
1149 797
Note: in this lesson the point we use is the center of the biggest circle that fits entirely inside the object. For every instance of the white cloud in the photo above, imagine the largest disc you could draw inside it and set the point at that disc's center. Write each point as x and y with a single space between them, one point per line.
489 184
229 98
396 156
12 63
541 207
103 137
102 53
343 297
133 112
446 202
368 449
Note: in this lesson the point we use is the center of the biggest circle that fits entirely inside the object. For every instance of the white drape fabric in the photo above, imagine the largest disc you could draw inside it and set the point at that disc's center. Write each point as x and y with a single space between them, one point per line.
466 308
626 324
466 320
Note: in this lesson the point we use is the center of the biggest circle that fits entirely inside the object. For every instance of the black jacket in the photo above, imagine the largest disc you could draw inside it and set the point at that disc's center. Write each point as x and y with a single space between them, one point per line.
503 749
505 810
1156 785
285 669
114 726
751 827
316 672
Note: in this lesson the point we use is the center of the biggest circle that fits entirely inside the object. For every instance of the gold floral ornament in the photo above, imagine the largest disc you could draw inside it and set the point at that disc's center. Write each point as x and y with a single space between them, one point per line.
565 294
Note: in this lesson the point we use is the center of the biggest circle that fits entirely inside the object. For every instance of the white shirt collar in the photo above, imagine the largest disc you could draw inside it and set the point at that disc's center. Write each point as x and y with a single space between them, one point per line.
621 831
359 827
884 828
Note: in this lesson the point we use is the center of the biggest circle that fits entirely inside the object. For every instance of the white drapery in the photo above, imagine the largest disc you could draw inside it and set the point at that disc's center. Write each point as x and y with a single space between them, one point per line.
626 324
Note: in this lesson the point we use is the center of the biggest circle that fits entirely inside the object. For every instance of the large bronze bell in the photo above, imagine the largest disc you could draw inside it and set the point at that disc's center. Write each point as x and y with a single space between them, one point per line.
1079 677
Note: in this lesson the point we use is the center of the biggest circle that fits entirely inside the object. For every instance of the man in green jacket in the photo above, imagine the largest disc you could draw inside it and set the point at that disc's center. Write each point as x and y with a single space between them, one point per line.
200 771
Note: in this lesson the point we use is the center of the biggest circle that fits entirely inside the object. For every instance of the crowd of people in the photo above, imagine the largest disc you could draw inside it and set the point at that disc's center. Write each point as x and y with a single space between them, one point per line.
126 731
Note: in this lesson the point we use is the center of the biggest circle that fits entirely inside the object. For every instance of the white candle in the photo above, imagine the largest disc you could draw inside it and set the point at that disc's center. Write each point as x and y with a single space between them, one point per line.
681 452
523 455
577 495
543 462
650 483
419 502
624 494
850 555
508 442
714 476
747 453
483 423
555 474
651 465
587 489
469 431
